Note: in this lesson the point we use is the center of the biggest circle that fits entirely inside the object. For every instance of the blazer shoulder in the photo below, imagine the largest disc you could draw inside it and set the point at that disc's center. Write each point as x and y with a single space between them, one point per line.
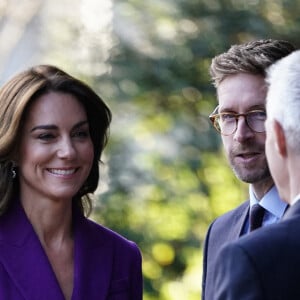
102 233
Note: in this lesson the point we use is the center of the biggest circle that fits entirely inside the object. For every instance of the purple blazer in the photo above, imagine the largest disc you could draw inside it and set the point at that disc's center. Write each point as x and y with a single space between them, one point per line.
106 265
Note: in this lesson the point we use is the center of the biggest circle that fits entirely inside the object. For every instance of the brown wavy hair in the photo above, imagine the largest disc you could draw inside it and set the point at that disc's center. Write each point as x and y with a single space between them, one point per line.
15 98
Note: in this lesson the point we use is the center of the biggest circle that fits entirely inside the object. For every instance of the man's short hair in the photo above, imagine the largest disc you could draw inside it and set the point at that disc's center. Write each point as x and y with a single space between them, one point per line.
253 57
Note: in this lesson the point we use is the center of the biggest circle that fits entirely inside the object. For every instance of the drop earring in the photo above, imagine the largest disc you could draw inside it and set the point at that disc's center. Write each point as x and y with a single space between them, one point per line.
13 171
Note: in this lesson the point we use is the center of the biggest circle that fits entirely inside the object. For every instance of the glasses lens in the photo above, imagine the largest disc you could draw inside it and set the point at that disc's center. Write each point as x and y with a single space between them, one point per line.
227 123
256 120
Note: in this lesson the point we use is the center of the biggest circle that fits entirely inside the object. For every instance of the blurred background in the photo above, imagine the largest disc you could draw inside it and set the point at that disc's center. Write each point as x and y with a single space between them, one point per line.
164 177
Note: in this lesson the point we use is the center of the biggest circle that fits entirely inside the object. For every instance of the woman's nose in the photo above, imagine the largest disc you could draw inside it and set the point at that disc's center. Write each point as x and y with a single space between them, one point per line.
66 149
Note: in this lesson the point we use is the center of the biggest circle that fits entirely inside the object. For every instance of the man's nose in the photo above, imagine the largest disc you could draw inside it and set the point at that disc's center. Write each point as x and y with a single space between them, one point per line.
243 131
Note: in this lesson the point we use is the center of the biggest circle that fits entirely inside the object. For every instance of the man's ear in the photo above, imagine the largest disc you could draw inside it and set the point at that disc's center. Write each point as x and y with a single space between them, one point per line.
280 139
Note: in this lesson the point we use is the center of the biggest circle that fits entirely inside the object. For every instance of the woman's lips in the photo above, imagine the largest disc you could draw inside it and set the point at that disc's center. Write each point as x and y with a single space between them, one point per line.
62 172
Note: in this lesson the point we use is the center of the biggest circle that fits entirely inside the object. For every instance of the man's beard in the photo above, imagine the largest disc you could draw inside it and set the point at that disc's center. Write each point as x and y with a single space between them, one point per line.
251 176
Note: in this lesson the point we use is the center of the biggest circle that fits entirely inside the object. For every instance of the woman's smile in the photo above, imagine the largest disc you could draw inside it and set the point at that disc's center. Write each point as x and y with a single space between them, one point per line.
62 172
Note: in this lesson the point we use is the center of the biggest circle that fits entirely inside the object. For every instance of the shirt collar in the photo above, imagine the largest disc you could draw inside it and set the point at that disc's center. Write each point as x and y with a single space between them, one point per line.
297 198
270 201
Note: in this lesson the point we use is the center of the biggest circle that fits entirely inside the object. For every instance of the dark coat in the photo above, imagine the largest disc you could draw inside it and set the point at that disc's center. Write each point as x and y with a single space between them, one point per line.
264 265
224 229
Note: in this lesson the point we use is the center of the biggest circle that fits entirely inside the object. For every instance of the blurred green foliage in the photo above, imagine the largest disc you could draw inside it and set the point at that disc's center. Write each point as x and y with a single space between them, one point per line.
168 176
164 168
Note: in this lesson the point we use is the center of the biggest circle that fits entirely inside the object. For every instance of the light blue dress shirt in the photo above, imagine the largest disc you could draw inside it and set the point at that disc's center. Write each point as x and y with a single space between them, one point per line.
271 202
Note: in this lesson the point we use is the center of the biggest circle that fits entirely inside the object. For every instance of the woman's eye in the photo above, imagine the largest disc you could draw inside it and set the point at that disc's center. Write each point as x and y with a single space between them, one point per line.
81 134
46 136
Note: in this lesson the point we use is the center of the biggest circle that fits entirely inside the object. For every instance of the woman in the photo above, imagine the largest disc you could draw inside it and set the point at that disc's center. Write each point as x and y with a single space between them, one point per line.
53 129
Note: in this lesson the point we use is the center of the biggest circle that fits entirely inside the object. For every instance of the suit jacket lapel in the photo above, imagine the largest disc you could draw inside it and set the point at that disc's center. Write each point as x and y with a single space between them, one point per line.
238 222
24 259
242 220
93 260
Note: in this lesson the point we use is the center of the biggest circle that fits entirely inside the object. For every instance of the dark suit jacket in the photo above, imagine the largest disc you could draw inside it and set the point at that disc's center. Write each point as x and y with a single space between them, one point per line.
224 229
264 265
107 266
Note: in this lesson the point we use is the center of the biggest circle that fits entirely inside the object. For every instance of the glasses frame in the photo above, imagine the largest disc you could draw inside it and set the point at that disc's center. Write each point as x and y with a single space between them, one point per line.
213 116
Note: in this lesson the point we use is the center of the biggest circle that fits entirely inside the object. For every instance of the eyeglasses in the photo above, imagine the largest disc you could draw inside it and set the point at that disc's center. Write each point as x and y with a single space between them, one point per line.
226 122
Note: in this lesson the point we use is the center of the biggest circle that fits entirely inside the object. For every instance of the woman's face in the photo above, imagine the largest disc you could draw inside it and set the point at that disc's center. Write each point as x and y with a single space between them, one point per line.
56 151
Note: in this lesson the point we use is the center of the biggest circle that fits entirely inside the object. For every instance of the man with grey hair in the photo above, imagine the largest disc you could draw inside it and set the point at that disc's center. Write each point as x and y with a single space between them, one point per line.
266 264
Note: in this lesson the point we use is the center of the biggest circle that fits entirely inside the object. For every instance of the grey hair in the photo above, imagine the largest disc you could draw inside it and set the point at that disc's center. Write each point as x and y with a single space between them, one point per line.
283 98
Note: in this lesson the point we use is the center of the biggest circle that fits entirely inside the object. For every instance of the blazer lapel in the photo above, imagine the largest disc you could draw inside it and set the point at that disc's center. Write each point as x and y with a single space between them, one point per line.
93 260
24 259
238 222
242 220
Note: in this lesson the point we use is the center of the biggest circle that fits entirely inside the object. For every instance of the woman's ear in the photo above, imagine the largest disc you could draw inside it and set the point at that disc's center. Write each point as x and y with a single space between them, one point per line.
280 139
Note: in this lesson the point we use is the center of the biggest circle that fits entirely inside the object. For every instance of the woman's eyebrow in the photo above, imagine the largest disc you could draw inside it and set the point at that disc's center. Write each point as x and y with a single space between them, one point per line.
45 127
55 127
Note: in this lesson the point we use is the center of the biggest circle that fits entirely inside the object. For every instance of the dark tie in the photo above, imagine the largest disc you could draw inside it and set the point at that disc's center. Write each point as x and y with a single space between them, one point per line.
256 216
